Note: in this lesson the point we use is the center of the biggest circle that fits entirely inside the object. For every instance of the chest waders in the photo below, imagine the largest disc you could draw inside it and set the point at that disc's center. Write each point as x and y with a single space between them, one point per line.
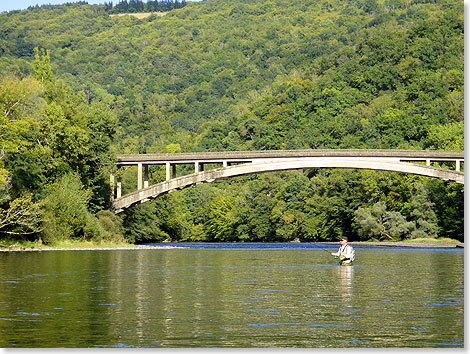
343 260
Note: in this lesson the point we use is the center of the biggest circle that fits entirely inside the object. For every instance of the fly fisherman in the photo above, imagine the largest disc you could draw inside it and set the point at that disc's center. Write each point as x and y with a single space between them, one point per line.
345 252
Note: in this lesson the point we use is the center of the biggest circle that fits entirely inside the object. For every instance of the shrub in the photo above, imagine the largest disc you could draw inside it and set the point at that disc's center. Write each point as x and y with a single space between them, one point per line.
112 224
66 213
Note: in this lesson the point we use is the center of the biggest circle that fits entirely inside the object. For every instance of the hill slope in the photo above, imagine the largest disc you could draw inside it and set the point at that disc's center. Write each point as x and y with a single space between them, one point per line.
243 75
352 74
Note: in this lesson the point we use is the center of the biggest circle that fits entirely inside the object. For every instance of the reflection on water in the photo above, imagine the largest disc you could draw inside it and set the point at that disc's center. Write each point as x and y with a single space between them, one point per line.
346 276
231 298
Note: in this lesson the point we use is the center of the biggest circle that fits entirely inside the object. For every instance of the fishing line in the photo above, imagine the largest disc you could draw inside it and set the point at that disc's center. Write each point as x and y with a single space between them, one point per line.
323 249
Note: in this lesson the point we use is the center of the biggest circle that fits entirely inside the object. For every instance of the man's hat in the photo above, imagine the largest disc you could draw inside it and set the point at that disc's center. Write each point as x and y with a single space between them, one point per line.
345 238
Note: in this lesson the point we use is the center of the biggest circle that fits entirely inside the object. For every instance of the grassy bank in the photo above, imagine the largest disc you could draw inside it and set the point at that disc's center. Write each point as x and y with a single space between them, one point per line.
66 244
435 240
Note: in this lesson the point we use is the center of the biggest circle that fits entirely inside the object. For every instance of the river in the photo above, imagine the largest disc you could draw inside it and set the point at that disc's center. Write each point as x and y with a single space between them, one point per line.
233 295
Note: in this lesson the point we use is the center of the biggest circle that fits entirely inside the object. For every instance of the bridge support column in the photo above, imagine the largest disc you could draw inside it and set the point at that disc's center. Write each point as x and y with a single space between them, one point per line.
118 187
111 184
196 167
168 175
139 176
146 176
225 163
457 165
428 162
170 171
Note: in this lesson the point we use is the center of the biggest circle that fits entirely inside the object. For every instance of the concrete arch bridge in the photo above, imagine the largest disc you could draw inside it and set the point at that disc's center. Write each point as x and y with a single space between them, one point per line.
237 163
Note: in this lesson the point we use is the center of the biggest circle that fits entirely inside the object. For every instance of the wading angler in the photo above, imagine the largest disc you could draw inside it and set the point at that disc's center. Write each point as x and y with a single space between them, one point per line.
346 253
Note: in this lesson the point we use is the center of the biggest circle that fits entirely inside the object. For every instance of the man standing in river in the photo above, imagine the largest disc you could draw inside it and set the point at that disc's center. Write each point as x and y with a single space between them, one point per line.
346 253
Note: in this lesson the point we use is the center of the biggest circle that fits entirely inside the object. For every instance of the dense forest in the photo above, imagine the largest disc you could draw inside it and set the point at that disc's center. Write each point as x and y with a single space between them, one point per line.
78 85
133 6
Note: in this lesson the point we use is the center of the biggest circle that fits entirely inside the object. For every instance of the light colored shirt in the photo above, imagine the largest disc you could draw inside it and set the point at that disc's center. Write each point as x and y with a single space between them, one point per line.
346 251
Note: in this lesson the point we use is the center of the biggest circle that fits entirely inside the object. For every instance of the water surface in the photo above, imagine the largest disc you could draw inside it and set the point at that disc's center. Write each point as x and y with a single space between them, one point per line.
232 296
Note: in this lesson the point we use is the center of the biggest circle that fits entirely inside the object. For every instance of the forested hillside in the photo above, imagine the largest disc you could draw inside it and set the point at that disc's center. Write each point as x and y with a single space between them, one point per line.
235 75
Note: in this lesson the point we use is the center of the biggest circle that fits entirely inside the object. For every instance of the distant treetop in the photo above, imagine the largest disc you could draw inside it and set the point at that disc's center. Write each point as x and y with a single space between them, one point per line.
132 6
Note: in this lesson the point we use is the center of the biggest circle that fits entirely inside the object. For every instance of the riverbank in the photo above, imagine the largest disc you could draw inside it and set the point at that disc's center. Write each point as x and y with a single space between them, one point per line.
87 246
414 243
73 246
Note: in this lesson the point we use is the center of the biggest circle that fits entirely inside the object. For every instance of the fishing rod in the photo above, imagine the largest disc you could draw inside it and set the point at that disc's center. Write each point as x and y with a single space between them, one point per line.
323 249
328 251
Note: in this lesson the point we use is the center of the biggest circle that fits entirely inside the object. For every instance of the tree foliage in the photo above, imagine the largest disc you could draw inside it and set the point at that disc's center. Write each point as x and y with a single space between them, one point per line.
379 223
244 75
21 218
66 214
132 6
49 132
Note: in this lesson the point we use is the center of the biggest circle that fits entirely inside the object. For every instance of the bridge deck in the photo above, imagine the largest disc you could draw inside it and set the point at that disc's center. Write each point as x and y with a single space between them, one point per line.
233 156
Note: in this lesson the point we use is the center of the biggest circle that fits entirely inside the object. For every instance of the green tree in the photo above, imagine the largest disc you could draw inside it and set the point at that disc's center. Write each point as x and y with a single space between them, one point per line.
219 225
21 219
41 67
449 206
20 104
142 225
423 214
448 136
380 223
66 214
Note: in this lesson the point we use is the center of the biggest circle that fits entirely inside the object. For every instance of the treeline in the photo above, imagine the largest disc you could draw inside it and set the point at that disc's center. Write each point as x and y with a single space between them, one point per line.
256 75
132 6
303 206
124 6
54 161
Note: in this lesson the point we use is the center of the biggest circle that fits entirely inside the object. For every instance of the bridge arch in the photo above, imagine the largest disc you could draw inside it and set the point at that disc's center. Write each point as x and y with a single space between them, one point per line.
178 183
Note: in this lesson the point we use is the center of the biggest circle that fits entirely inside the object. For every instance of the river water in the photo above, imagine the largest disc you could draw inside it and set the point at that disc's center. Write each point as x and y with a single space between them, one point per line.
241 295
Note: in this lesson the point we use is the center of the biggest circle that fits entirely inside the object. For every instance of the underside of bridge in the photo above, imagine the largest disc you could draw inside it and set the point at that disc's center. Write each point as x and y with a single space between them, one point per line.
178 183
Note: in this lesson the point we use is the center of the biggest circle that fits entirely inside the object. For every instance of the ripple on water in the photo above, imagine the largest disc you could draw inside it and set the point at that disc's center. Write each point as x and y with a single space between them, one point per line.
271 311
354 340
310 324
116 345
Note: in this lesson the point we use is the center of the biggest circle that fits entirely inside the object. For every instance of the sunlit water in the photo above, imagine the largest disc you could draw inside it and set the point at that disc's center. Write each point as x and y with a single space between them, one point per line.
293 296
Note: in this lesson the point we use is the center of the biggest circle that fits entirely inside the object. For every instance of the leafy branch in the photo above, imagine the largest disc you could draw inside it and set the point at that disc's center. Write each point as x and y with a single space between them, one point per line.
23 217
